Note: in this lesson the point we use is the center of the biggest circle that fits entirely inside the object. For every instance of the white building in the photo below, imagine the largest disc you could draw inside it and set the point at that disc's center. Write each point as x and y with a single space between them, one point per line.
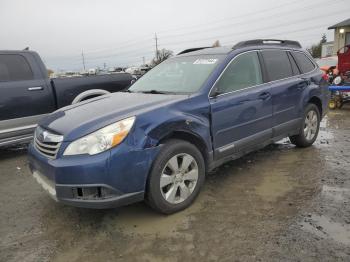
341 35
327 49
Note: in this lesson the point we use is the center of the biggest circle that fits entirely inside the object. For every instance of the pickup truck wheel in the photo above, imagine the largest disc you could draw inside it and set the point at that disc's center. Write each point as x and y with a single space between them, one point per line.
89 94
176 177
309 129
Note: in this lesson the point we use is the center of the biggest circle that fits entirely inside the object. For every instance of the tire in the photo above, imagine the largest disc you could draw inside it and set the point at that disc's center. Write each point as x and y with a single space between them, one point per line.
89 94
307 139
178 190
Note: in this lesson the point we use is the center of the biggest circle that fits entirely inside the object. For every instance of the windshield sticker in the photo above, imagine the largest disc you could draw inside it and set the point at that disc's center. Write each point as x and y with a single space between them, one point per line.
205 61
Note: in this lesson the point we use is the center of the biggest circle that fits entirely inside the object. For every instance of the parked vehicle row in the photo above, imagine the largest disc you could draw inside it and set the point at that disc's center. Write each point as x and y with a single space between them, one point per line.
185 117
27 94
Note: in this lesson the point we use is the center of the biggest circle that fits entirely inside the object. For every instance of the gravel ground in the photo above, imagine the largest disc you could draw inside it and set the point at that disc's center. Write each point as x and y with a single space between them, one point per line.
278 204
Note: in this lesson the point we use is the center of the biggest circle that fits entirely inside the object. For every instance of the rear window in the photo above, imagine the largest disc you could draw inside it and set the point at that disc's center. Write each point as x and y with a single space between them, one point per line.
304 62
14 68
277 64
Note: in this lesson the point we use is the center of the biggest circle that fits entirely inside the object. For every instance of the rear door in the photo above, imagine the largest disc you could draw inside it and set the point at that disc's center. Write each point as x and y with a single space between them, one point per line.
286 90
24 95
241 106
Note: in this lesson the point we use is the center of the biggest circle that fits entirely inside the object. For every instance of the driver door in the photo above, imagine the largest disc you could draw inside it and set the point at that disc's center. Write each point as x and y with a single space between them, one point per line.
241 107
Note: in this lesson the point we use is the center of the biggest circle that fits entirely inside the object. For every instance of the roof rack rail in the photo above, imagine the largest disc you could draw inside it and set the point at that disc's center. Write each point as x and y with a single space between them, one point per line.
287 43
192 50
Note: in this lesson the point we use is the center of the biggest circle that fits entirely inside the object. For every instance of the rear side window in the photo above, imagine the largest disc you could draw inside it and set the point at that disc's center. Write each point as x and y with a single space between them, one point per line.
14 68
294 65
277 64
244 71
304 62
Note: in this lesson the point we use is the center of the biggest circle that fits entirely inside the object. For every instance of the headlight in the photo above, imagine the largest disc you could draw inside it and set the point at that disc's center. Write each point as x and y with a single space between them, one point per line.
102 139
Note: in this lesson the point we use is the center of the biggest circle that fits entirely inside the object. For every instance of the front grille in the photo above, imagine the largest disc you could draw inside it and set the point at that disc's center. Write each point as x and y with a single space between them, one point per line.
48 149
46 142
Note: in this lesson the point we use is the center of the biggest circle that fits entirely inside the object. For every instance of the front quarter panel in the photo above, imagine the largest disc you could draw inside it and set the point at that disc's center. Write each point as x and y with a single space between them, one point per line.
142 145
191 116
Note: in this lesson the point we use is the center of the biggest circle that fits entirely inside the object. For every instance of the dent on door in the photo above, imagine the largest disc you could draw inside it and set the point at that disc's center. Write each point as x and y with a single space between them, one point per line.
240 121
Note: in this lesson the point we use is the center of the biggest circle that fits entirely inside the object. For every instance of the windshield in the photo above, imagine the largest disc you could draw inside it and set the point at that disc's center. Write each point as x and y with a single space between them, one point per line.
178 75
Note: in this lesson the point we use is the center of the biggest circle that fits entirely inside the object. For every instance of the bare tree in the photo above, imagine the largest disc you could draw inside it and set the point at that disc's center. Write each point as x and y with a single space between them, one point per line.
316 49
162 55
216 44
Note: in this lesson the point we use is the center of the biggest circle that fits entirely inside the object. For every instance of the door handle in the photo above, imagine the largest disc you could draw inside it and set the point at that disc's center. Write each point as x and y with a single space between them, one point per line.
264 95
35 88
303 84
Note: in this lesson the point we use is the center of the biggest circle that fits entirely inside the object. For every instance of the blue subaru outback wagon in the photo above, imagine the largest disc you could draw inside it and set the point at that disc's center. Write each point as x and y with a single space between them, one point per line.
193 112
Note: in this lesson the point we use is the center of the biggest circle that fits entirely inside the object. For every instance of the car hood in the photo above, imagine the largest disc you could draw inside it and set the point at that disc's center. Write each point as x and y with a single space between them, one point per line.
83 118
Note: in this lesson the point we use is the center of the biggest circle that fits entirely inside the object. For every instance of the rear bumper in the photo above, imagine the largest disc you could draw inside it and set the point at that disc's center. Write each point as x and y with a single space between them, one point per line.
107 180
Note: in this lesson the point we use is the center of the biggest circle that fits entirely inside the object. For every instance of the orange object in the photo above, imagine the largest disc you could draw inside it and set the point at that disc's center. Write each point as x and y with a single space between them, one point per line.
117 139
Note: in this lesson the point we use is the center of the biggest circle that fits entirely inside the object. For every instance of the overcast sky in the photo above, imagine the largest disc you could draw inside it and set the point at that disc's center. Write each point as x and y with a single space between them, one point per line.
122 32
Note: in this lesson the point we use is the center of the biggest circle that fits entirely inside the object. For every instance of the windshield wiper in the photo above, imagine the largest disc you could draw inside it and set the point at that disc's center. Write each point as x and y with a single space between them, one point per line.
126 91
153 91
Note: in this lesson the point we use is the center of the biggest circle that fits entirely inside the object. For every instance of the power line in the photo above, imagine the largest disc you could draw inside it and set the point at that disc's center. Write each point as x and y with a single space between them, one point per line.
254 20
256 29
132 51
235 17
136 41
319 16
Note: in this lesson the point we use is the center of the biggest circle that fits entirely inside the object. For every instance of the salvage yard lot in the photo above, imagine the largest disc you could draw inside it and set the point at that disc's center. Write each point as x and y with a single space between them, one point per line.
278 204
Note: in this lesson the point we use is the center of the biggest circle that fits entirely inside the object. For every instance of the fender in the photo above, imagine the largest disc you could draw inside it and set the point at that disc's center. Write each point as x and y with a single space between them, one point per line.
187 124
191 125
189 128
314 90
89 93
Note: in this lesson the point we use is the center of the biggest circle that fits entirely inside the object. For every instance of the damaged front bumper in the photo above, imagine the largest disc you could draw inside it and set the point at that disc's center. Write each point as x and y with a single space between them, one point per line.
110 179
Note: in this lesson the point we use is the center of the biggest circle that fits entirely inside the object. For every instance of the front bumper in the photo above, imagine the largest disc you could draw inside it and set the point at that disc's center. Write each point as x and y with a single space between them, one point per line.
113 178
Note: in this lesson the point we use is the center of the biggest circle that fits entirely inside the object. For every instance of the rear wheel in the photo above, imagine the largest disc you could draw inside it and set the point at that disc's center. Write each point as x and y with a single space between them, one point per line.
309 129
176 177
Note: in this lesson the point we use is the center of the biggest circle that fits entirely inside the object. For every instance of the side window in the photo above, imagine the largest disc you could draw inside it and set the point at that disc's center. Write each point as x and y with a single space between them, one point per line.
277 64
294 65
244 71
304 62
14 68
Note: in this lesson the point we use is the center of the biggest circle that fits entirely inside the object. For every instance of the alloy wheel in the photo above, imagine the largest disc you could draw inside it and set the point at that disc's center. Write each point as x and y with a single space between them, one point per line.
179 178
310 125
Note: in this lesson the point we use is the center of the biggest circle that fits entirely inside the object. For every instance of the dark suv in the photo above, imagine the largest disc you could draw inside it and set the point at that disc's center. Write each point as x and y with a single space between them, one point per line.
185 117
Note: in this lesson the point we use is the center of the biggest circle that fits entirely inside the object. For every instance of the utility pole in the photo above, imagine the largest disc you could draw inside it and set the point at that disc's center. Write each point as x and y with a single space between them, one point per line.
143 60
156 38
82 55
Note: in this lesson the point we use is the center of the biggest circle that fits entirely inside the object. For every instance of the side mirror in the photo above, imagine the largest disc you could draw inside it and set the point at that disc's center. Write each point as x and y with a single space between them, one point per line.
215 92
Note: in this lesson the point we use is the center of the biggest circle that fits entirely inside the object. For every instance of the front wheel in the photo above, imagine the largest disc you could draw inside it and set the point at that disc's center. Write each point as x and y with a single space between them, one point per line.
176 177
309 129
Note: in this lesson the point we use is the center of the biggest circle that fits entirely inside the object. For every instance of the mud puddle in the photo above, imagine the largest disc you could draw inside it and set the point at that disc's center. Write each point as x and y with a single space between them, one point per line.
325 227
